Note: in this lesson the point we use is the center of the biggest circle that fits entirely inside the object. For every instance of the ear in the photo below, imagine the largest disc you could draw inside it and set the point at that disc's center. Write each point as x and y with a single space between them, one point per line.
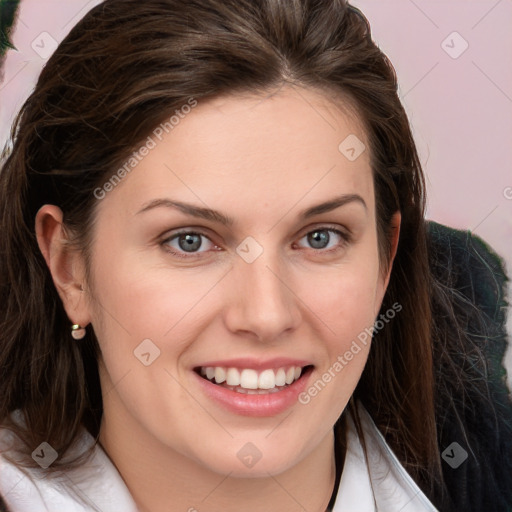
66 265
396 220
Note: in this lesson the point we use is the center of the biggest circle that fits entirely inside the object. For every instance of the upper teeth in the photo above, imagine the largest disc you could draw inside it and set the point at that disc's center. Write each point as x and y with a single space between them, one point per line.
251 379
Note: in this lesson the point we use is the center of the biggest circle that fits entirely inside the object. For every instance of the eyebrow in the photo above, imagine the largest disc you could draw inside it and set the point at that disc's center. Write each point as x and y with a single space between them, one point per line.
219 217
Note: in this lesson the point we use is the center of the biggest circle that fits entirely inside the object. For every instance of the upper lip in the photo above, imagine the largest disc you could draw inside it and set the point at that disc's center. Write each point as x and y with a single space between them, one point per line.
256 364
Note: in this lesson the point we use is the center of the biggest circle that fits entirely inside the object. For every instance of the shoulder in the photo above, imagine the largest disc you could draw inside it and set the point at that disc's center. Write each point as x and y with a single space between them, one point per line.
94 486
18 486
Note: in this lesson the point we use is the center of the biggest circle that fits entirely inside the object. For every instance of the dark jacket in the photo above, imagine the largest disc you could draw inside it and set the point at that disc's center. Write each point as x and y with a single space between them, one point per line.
476 412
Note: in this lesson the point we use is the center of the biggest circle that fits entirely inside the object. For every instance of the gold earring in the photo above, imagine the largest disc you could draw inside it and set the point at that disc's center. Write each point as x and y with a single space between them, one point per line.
77 331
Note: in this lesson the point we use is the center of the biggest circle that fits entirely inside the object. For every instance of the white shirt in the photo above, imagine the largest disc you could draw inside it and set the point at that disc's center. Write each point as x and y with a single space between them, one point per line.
100 482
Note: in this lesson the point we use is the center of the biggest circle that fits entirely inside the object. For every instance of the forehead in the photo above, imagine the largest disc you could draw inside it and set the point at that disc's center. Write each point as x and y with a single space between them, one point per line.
254 150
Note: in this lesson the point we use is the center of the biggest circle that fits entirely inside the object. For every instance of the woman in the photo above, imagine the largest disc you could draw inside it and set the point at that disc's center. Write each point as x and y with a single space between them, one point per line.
165 347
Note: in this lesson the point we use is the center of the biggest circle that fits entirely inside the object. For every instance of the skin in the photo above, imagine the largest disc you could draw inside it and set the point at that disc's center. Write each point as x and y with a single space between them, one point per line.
261 160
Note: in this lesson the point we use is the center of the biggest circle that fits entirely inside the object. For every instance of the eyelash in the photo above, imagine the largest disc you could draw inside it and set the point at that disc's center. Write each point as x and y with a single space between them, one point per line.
346 239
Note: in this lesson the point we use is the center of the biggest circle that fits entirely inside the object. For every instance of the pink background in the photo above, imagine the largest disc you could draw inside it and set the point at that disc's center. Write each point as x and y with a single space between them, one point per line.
459 99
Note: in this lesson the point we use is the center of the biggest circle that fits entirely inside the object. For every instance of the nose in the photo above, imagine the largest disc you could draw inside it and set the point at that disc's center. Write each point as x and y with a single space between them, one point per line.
262 301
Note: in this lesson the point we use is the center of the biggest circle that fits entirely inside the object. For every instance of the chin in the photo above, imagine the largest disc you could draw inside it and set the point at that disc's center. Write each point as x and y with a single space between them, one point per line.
241 466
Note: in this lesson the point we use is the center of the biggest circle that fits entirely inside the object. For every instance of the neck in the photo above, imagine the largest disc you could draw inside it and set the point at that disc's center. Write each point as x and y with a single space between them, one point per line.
157 476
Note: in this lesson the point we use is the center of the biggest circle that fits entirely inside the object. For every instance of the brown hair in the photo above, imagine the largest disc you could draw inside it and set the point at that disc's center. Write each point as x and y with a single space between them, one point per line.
122 69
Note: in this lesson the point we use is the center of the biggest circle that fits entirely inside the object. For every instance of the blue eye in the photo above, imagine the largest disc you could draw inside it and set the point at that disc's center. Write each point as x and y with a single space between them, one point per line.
321 238
188 242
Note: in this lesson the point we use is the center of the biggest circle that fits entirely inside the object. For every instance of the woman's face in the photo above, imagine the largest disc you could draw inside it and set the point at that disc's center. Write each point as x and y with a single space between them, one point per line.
285 283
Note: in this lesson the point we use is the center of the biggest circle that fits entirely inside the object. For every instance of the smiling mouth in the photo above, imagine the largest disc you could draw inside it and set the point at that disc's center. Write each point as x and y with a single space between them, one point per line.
251 382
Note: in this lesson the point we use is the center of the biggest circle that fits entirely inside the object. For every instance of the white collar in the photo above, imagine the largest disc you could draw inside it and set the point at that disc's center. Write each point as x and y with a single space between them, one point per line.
100 482
393 488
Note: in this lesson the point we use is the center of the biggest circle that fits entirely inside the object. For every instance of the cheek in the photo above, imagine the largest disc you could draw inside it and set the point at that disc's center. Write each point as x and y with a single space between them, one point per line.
346 298
145 300
349 314
346 301
143 309
141 301
345 306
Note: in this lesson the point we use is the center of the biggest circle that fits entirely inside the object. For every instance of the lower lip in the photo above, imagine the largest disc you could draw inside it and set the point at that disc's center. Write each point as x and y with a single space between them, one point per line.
268 404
